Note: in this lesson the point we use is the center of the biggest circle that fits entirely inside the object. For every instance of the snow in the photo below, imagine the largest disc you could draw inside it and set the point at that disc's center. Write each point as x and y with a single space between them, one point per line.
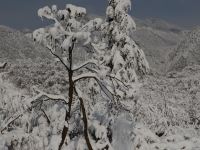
93 25
54 8
44 12
63 13
112 107
122 134
75 10
74 24
39 35
110 12
83 36
123 5
67 43
118 61
129 23
54 31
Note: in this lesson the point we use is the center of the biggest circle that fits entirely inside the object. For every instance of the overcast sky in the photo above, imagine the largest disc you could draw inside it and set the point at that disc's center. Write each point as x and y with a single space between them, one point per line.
23 13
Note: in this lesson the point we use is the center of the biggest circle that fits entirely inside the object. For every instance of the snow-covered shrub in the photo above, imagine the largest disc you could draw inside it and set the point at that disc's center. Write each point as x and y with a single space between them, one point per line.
45 74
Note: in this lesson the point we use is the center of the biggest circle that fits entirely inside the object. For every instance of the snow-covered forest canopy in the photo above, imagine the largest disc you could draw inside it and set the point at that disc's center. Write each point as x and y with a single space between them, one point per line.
95 89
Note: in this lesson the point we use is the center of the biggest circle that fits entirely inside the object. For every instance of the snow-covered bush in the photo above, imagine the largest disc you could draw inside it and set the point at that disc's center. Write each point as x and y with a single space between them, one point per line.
46 75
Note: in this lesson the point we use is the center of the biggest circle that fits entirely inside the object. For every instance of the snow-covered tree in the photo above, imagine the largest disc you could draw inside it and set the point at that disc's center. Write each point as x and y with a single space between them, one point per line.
112 67
69 34
118 52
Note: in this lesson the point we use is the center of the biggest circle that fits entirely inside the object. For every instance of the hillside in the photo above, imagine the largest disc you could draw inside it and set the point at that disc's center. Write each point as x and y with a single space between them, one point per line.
157 38
187 52
14 46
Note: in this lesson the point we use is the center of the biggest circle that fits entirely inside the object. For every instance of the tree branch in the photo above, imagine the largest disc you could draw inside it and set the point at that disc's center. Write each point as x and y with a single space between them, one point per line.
109 94
60 59
48 120
85 65
48 96
85 121
125 85
38 99
10 122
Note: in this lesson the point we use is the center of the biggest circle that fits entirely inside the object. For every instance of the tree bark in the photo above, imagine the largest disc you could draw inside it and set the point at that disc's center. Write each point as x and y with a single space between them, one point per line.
70 95
68 112
85 125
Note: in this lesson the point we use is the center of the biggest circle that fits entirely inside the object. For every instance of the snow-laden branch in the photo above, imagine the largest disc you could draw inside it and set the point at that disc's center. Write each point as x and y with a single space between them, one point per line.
11 120
94 76
57 56
92 25
85 76
118 80
42 96
48 96
90 62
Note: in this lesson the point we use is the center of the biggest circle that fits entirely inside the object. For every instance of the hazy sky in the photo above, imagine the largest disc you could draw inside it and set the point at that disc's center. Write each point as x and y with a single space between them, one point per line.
23 13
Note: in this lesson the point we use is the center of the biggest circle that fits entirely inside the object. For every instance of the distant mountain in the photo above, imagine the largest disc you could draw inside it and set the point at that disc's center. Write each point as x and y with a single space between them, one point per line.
14 45
187 52
159 25
157 38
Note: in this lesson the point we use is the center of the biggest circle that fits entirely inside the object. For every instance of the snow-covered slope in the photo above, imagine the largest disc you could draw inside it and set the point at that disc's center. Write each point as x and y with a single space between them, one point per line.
157 38
14 45
187 52
166 116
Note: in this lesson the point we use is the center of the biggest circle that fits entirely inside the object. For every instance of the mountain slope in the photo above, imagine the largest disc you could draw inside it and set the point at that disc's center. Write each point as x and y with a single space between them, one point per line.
14 45
187 52
157 38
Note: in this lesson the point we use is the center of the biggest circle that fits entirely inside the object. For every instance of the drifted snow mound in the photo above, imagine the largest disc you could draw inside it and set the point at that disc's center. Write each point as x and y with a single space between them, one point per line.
130 136
122 134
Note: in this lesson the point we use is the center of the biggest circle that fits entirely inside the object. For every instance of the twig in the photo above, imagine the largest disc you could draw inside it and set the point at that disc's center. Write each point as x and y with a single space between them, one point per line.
60 59
85 64
20 115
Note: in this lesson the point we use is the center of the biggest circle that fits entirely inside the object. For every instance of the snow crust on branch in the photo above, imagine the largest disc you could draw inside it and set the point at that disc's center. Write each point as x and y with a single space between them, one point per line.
93 25
76 11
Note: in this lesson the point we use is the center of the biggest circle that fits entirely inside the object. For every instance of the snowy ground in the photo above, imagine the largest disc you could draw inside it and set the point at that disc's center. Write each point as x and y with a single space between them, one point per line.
141 137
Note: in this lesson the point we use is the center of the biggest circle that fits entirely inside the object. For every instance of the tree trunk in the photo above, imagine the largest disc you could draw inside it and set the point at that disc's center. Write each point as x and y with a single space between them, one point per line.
68 112
70 95
85 125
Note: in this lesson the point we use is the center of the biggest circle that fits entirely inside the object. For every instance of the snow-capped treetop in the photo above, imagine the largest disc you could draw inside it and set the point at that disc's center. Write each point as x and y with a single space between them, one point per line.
93 25
63 14
121 54
54 8
76 11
